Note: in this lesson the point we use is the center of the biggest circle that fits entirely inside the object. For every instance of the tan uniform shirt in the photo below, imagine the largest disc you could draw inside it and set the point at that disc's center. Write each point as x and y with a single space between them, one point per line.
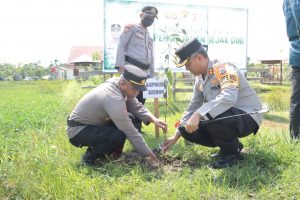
136 43
223 87
105 103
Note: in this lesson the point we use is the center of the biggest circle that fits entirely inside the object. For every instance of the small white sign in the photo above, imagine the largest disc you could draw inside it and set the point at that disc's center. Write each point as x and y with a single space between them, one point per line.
155 88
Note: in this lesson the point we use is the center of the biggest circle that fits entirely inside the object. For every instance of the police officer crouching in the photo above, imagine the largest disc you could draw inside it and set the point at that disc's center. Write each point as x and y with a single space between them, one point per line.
220 90
136 46
102 119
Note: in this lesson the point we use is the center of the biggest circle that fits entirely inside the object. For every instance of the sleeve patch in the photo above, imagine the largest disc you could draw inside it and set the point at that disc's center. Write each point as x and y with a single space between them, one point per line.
227 76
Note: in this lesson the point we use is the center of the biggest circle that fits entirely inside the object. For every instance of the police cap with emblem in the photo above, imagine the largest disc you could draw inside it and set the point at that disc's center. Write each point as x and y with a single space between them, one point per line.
116 27
187 50
135 76
150 10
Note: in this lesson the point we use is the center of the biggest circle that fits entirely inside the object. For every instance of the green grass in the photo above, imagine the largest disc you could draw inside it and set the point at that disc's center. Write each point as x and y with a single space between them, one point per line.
38 162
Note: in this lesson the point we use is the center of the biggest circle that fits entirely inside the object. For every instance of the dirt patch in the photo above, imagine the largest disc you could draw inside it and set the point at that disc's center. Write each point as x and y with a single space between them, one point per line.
269 123
133 158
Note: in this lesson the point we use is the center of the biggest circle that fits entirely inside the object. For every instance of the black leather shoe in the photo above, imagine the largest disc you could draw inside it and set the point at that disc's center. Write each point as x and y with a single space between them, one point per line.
227 161
240 146
87 158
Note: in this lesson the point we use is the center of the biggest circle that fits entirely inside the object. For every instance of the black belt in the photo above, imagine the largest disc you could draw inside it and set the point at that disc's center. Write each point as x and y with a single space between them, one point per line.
137 63
73 123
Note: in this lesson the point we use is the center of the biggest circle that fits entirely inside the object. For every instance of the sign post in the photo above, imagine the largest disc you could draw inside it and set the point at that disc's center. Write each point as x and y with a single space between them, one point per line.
156 114
155 89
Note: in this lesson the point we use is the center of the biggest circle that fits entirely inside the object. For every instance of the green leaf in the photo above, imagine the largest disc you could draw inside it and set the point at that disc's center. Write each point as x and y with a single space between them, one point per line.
166 70
170 76
174 35
179 40
172 110
170 94
167 57
174 106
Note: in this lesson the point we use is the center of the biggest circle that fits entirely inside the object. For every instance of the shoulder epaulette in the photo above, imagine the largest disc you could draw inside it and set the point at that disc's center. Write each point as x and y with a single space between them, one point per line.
128 27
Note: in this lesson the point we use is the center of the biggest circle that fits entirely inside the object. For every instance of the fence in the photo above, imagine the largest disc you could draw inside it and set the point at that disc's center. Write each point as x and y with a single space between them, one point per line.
270 72
183 82
188 81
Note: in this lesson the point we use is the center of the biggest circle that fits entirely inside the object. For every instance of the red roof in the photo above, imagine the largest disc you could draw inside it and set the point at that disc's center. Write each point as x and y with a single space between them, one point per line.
77 51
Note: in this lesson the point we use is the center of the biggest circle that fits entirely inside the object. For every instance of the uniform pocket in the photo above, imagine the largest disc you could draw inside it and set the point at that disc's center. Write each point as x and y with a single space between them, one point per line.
139 38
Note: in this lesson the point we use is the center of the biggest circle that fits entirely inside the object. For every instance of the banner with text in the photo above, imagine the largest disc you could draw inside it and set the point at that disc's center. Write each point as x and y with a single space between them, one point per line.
224 30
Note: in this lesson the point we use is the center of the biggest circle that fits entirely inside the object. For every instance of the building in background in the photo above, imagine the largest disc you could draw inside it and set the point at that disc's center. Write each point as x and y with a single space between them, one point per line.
83 59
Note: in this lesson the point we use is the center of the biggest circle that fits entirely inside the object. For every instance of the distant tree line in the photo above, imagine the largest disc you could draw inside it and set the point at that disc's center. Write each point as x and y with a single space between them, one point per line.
10 71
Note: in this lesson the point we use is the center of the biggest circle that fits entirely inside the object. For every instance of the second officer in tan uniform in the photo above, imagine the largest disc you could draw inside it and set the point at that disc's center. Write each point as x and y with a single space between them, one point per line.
136 46
102 119
220 90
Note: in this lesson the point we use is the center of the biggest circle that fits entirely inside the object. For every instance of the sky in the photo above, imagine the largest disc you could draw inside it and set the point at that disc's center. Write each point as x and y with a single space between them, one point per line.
45 30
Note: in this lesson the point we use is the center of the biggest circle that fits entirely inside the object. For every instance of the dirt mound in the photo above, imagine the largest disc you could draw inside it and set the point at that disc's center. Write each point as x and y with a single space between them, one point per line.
133 158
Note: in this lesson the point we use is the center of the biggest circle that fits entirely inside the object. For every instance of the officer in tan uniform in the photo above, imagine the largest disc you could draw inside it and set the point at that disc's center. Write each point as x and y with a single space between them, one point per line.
220 90
102 119
136 46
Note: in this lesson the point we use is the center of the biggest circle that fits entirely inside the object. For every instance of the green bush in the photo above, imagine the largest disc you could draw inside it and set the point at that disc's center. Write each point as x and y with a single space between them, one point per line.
72 92
96 80
278 100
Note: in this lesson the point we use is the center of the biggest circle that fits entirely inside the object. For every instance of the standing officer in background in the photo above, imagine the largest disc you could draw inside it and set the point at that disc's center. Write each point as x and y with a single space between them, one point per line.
101 120
291 9
220 90
136 47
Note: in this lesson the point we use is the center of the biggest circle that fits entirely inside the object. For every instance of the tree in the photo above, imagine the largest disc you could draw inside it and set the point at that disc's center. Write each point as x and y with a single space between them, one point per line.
6 69
29 69
178 36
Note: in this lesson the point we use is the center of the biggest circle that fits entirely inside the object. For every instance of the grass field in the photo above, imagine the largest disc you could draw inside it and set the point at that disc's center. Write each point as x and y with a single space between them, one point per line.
37 161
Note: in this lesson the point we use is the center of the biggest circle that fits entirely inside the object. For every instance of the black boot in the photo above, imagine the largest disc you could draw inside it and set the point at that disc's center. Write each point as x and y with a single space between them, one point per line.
227 160
240 148
88 158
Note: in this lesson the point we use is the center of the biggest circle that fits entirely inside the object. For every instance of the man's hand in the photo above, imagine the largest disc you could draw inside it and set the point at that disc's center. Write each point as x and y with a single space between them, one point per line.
193 123
160 123
169 143
155 159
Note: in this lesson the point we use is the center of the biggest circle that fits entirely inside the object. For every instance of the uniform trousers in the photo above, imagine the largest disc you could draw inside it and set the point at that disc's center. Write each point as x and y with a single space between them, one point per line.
223 133
295 103
141 99
101 140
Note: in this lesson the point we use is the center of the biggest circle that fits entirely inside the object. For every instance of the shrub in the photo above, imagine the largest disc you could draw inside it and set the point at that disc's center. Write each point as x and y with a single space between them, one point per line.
278 100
